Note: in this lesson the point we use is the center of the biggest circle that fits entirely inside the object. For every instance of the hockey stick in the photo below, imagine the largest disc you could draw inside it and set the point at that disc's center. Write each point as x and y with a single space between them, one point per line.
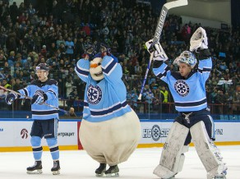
145 77
158 32
27 97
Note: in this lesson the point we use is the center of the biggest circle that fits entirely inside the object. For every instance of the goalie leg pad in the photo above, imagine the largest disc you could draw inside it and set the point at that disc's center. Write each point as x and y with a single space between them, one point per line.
171 160
179 163
207 151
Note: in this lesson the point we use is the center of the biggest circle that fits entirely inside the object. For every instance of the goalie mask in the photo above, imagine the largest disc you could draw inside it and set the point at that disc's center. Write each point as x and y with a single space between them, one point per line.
186 57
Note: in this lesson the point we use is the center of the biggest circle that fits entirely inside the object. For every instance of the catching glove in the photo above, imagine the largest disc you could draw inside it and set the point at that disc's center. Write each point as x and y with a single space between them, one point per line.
11 97
157 50
39 97
199 40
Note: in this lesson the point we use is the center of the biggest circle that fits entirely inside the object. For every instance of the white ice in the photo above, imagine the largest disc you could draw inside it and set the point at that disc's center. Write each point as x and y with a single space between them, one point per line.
140 165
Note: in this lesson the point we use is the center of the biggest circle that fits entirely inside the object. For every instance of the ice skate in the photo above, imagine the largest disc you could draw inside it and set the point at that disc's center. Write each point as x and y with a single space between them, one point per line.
112 171
222 175
36 168
100 170
56 168
219 175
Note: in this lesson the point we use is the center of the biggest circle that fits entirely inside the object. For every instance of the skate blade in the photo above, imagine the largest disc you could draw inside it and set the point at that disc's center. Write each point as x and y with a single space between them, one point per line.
56 172
100 175
109 175
34 172
220 177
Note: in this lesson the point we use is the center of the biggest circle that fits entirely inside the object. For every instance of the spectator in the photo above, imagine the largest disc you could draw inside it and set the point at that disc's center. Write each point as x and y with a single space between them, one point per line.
69 48
69 86
236 102
71 112
29 33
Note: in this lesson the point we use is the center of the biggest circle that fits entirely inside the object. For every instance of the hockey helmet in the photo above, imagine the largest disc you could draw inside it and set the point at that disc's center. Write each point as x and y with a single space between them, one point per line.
42 66
186 57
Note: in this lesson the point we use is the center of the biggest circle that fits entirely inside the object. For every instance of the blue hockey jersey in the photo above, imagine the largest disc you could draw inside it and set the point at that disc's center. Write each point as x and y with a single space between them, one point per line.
105 99
43 112
188 94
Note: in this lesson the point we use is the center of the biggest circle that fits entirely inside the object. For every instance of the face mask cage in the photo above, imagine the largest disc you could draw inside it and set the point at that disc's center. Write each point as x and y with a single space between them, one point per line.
188 58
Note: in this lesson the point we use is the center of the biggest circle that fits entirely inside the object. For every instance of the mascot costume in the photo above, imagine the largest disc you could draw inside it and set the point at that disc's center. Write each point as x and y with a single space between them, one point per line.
110 129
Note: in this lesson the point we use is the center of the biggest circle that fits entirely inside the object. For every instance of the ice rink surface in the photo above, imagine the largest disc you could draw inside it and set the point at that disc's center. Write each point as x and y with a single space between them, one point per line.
78 165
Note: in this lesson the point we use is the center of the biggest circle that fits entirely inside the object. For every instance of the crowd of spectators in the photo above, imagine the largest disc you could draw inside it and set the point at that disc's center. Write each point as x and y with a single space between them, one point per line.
58 32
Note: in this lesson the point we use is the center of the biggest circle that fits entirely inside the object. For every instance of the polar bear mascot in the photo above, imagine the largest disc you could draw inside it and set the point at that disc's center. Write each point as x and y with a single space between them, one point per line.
110 129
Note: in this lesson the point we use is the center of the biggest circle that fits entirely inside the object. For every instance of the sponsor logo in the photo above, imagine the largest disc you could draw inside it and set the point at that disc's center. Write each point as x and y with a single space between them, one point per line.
94 94
155 133
66 134
24 133
160 23
181 88
219 132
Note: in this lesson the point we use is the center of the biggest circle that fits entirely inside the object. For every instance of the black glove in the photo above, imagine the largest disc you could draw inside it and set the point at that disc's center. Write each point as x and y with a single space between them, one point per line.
11 97
105 50
89 52
39 97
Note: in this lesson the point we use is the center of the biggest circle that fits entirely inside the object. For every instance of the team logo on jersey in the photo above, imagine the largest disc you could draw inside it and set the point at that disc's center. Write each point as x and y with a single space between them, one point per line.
94 94
181 88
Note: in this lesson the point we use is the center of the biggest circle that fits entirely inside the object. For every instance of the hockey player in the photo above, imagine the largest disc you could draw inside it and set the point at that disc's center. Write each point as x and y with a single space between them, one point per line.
194 122
110 129
45 118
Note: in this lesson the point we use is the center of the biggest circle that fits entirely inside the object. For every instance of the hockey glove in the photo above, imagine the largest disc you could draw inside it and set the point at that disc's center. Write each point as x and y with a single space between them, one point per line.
199 40
158 52
89 53
105 50
39 97
11 97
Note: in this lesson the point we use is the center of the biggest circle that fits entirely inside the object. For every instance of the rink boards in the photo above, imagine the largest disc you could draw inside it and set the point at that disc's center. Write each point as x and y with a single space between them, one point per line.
15 134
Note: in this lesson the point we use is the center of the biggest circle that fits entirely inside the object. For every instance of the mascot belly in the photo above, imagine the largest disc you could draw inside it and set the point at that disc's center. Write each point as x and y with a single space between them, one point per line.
112 141
110 129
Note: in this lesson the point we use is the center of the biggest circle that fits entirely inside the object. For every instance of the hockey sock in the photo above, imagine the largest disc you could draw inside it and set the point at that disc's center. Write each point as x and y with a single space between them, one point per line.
36 147
53 146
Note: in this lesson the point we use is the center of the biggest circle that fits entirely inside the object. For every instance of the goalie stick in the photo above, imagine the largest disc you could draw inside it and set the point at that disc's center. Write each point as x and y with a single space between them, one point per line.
27 97
158 32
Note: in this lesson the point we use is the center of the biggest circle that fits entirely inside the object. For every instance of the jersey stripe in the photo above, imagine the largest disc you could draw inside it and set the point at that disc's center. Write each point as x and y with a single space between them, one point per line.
82 71
197 103
109 67
109 110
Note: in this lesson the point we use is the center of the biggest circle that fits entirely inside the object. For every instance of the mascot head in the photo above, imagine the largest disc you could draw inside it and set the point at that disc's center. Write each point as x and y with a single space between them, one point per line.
96 67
